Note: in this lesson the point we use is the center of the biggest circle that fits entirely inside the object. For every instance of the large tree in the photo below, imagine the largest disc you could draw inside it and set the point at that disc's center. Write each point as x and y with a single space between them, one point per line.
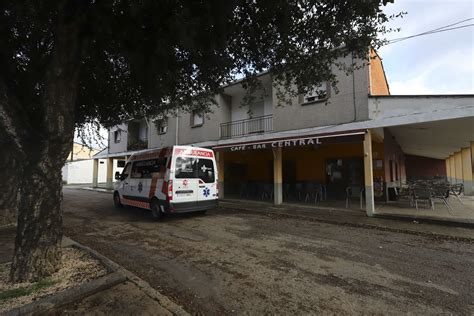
67 63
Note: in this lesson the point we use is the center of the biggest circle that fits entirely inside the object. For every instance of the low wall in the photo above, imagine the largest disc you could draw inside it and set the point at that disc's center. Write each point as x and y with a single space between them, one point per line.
80 171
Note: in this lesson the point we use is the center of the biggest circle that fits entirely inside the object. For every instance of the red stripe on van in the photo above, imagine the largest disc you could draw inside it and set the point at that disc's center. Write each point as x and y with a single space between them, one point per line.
154 180
193 152
139 204
164 152
164 188
150 155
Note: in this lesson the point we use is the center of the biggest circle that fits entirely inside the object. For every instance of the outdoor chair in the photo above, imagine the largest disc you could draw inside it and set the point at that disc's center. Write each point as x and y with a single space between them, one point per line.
353 191
299 190
267 191
319 191
441 192
243 191
311 191
252 190
405 193
457 190
260 190
286 190
423 194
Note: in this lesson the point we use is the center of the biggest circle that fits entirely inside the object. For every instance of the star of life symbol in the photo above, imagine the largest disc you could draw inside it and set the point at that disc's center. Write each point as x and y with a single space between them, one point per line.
204 168
185 183
206 192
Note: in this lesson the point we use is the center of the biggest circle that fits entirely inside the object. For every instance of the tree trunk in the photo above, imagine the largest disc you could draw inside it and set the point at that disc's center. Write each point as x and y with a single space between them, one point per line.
39 232
9 186
11 156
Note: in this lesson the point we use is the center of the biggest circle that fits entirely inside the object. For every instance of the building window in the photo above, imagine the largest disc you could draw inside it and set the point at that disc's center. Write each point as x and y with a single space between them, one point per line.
143 131
161 123
120 163
197 118
117 136
316 94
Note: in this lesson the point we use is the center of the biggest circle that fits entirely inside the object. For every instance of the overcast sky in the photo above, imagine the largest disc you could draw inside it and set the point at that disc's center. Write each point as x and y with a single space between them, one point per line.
441 63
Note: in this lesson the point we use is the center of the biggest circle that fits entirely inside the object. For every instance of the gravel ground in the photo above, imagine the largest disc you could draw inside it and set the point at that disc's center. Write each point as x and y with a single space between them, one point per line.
77 267
234 262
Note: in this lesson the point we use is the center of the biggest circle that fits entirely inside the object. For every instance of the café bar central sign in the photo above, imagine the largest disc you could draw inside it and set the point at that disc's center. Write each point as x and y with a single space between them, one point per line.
294 142
277 144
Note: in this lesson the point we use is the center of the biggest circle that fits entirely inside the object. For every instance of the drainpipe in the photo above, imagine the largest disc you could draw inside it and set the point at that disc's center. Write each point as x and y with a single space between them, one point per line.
353 89
369 71
177 129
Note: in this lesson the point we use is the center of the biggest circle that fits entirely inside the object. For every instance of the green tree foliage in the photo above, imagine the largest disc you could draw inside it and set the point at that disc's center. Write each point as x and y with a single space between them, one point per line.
67 63
142 57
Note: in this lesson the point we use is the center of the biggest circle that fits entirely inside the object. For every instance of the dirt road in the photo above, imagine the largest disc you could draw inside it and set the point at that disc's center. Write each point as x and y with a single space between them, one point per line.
233 262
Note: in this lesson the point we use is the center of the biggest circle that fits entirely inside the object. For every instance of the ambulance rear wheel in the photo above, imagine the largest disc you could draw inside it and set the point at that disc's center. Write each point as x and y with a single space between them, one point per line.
156 211
117 202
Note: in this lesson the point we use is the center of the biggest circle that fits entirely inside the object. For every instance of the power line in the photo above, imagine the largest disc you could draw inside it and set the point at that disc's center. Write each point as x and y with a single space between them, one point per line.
428 32
434 31
449 25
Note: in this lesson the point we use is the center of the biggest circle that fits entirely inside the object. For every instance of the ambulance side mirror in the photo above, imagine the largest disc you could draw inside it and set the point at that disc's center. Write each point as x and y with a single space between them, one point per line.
117 176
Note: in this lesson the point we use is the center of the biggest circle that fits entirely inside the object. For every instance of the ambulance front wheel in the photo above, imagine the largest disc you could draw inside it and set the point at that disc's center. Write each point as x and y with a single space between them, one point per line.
117 202
156 210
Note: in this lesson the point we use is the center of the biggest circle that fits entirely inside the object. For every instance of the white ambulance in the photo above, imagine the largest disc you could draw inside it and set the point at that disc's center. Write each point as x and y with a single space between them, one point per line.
174 179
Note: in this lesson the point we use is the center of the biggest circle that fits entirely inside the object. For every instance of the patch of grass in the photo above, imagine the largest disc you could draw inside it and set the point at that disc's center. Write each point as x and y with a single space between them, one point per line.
8 294
22 291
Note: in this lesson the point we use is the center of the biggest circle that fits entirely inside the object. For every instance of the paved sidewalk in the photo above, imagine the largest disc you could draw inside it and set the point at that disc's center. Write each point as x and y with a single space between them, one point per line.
348 217
354 218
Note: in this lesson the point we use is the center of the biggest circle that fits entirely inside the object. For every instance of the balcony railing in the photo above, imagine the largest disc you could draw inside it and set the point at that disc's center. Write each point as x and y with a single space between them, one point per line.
256 125
137 145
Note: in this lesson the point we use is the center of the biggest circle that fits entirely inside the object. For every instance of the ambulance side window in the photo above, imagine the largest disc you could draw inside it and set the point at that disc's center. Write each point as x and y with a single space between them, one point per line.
126 170
147 169
136 170
158 169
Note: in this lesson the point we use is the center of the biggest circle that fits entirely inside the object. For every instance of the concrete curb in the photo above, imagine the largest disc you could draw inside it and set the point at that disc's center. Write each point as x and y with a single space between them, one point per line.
96 190
429 220
70 295
163 300
279 213
110 265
